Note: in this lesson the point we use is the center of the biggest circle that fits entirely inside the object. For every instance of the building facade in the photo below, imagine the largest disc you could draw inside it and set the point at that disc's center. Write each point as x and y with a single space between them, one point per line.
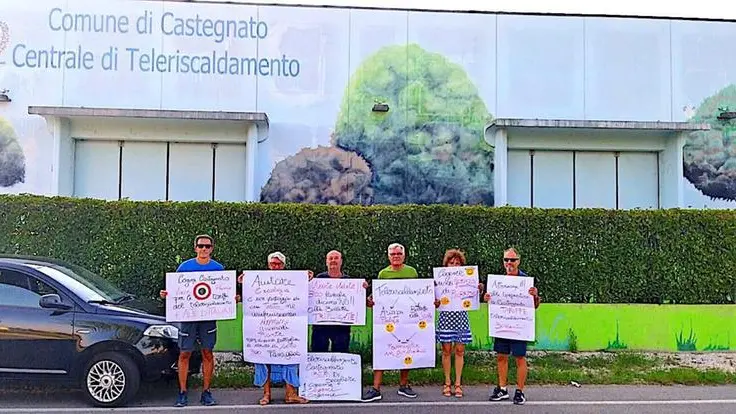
163 100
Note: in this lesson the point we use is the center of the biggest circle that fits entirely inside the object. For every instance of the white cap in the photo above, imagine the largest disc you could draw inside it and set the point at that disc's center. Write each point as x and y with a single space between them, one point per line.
277 255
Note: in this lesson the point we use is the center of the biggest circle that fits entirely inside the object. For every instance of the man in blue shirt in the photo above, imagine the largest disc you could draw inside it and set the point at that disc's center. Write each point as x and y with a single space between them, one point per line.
204 331
505 347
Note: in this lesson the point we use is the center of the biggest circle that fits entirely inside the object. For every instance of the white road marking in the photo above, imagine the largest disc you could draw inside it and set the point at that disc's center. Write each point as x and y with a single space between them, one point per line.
361 404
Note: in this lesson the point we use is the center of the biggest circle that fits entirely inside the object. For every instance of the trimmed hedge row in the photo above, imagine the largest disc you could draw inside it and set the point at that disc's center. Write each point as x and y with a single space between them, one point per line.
578 256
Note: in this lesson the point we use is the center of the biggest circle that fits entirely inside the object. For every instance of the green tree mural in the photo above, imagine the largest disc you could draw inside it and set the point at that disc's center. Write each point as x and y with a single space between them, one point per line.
428 148
710 156
12 160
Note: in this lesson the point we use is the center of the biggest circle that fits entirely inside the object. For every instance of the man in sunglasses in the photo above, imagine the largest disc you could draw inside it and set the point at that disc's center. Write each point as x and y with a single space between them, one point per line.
204 331
504 347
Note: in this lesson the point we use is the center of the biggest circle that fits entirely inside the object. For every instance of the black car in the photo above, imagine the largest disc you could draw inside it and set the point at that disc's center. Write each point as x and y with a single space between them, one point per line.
61 322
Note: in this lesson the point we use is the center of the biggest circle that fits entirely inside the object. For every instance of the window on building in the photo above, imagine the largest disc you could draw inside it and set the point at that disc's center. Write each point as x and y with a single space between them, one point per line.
583 179
140 170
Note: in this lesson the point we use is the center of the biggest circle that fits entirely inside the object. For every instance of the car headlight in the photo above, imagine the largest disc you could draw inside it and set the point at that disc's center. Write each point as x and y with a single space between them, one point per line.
162 331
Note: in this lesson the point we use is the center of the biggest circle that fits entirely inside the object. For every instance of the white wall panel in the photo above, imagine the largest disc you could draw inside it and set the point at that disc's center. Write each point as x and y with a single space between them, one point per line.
595 180
552 186
638 182
519 178
190 172
230 172
144 171
96 169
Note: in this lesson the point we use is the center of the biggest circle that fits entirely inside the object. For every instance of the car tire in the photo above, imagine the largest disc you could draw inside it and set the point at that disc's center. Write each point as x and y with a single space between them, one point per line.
103 372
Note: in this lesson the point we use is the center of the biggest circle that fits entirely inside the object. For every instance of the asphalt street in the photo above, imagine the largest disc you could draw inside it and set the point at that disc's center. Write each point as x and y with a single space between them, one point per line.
553 400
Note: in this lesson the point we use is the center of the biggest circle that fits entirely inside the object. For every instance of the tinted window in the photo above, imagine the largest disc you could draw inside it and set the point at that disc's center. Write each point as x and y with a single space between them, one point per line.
82 287
19 289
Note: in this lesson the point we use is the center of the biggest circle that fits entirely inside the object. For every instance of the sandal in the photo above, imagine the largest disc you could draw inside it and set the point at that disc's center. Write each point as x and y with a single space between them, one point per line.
458 391
265 400
446 390
296 400
293 397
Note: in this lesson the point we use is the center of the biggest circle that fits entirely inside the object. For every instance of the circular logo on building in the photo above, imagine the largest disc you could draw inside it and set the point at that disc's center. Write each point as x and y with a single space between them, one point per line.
202 291
4 36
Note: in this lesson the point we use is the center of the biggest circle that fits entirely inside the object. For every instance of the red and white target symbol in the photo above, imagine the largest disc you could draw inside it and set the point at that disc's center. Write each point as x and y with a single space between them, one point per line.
202 291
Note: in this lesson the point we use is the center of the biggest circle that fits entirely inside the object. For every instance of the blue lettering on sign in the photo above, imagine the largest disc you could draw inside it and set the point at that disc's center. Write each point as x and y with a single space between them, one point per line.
53 58
220 30
136 59
59 21
215 63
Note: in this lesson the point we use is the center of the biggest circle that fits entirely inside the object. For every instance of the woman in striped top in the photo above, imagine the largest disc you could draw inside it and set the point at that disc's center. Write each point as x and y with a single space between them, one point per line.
453 331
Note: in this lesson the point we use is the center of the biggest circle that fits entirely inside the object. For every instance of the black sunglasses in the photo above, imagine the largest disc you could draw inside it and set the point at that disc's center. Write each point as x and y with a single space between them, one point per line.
204 246
510 259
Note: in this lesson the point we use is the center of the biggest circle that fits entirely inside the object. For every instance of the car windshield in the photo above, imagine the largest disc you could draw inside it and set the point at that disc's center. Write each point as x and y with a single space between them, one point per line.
87 285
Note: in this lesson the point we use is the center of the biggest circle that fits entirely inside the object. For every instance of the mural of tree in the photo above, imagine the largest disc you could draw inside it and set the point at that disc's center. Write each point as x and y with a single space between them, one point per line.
12 160
710 156
320 176
429 147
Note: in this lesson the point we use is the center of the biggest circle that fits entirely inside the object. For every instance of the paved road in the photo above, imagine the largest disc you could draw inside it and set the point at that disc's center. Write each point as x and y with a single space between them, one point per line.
553 400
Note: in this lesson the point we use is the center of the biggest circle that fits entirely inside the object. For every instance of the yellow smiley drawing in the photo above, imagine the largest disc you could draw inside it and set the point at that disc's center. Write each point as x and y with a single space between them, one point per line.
422 325
408 360
469 271
445 301
389 327
466 304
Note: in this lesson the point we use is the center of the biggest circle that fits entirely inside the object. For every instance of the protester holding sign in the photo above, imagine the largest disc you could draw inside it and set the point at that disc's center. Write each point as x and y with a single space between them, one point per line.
396 270
504 347
203 331
453 331
266 374
336 335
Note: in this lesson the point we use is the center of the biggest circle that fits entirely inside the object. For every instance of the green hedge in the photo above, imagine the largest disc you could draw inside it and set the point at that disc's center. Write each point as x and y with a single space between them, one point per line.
579 256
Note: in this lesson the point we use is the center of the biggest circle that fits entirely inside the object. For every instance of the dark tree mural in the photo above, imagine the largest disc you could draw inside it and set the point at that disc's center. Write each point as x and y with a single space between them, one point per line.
320 176
12 160
710 156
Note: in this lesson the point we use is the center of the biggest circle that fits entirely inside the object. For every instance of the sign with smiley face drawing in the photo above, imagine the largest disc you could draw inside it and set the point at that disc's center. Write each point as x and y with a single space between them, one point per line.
403 324
456 288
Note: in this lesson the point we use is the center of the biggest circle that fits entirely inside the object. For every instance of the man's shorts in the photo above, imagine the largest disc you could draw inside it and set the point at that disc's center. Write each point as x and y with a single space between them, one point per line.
509 346
204 331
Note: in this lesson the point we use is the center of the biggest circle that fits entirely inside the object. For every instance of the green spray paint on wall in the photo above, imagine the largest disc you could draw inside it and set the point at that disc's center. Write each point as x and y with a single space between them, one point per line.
583 327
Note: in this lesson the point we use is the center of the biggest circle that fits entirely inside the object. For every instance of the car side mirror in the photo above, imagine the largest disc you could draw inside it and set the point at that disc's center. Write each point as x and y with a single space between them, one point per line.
52 301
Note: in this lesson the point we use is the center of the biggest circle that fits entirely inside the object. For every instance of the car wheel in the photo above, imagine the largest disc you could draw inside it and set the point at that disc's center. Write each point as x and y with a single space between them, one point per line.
110 379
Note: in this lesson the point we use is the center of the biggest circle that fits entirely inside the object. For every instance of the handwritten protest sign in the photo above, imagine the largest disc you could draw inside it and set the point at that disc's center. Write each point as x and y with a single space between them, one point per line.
330 377
457 288
511 312
275 316
336 302
200 296
403 324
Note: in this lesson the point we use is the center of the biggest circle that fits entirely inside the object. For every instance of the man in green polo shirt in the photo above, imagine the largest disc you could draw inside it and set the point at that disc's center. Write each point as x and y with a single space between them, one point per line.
395 270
